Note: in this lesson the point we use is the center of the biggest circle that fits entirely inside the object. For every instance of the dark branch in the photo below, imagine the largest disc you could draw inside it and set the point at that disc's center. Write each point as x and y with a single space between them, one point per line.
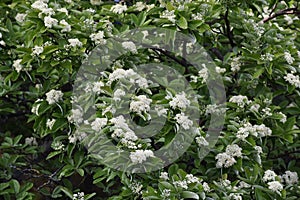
288 11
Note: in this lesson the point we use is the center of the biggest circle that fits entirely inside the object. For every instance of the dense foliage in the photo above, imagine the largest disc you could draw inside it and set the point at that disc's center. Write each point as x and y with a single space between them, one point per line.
45 155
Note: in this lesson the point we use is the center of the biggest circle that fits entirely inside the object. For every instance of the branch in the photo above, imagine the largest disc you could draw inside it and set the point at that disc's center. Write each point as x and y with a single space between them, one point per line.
288 11
228 32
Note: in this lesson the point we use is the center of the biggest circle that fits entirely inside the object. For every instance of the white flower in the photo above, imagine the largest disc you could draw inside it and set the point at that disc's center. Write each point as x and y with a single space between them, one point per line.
66 25
116 74
119 122
160 110
201 141
139 156
269 175
293 79
98 123
64 10
223 159
164 176
290 177
37 50
76 116
168 15
31 141
130 46
234 150
140 6
190 178
235 64
39 5
203 73
17 65
98 38
267 111
57 145
54 96
215 109
50 123
2 43
47 11
262 130
206 187
267 56
235 196
181 184
255 107
49 21
220 70
78 196
240 100
275 186
283 117
141 104
183 121
166 193
142 82
20 17
75 42
96 2
179 101
97 86
118 94
288 19
118 8
288 57
258 149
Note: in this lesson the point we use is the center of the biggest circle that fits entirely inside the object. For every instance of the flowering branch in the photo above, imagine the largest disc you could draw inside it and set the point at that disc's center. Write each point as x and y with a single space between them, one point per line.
288 11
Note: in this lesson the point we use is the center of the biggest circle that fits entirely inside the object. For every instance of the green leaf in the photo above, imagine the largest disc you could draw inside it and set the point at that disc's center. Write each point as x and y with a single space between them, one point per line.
189 195
182 23
15 184
52 154
67 191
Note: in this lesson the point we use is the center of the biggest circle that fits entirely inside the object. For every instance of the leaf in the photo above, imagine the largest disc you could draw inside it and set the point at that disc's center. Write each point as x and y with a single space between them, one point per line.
66 191
52 154
182 23
15 184
189 195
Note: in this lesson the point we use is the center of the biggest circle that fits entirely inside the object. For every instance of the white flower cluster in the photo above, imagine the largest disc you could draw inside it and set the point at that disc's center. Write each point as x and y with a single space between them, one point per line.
275 186
118 94
215 109
66 26
240 100
50 22
183 121
235 64
268 57
78 196
201 141
96 2
170 15
129 46
227 159
98 124
54 96
50 123
130 75
20 17
164 176
293 79
288 57
19 67
179 101
203 74
76 116
98 38
118 8
75 42
37 50
235 196
256 130
290 177
270 177
139 156
31 141
140 104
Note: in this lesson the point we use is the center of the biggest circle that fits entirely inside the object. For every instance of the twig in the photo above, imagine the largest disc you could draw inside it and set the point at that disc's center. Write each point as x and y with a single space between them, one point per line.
228 31
288 11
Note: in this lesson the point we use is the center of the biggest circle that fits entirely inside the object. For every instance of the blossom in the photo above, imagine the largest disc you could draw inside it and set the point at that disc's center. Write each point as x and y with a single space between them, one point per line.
235 196
203 73
20 17
179 101
96 2
66 26
181 184
288 57
201 141
39 5
235 64
220 70
78 196
240 100
166 193
283 117
98 38
37 50
275 186
76 116
63 10
118 94
164 176
190 178
234 150
206 187
98 123
31 141
139 156
160 110
17 65
168 15
269 175
183 121
140 6
292 79
54 96
49 21
75 42
50 123
97 86
141 104
118 8
130 46
290 177
223 159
